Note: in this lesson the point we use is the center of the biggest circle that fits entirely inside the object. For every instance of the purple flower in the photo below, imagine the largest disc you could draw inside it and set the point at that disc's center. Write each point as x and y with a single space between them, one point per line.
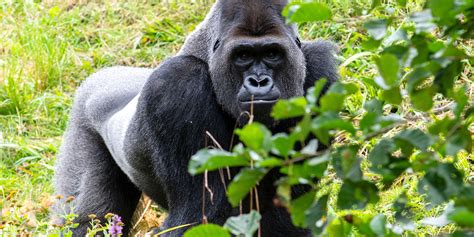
115 226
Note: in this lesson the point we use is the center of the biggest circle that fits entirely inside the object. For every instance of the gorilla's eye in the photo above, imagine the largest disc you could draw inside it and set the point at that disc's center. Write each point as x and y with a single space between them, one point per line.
244 57
272 55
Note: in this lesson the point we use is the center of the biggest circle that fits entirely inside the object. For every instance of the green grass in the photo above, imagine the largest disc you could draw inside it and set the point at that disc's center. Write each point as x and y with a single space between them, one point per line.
48 47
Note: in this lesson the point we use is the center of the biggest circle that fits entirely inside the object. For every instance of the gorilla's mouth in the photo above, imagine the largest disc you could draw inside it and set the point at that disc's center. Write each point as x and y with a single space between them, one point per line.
259 102
261 108
260 105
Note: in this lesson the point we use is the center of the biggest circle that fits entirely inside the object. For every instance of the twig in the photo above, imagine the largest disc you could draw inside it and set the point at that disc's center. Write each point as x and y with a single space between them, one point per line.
203 204
374 134
257 203
147 206
221 173
206 185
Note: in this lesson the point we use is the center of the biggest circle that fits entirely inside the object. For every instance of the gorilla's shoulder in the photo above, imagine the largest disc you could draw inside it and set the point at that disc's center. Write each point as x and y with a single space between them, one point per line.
180 67
315 48
178 63
321 60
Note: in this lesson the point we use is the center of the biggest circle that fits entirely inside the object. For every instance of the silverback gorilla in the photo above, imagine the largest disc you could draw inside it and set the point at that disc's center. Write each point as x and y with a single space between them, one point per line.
133 130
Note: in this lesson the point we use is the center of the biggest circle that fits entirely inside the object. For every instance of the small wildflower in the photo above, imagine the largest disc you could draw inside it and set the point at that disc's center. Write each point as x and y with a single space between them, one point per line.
115 226
59 197
70 199
92 216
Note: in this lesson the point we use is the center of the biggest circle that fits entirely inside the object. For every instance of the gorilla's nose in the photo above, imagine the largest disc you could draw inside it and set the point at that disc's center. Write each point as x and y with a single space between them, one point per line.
258 86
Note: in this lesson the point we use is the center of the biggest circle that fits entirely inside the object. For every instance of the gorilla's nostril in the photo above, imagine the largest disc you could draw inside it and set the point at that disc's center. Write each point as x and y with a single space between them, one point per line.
254 83
265 81
251 82
258 85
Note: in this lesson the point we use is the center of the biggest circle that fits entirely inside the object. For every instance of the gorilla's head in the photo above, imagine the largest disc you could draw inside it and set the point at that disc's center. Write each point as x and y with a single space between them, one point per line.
256 58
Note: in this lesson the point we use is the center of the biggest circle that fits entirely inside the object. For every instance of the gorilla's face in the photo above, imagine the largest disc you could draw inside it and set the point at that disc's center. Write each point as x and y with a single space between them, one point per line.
254 65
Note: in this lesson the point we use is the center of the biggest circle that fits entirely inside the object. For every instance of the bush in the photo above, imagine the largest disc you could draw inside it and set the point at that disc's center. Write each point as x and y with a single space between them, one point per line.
419 62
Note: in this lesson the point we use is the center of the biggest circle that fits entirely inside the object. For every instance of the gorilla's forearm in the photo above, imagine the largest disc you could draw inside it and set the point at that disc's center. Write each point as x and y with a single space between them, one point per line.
174 111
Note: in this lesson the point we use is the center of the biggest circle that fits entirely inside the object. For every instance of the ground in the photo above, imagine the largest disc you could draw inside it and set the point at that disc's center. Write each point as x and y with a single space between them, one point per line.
48 47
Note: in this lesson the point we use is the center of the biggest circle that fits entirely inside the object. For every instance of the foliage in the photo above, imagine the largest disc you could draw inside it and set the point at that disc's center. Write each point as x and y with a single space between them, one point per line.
418 61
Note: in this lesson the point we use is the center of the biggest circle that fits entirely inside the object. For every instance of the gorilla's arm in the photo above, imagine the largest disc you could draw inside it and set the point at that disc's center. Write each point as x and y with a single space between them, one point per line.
176 108
320 62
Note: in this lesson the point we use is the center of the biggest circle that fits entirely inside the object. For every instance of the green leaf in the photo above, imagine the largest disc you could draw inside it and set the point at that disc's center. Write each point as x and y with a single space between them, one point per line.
376 28
392 96
382 152
462 100
371 121
308 11
282 144
417 77
443 10
243 225
315 92
462 233
269 163
343 88
243 183
332 102
255 136
402 3
331 121
441 183
385 164
461 139
388 67
370 44
462 217
415 137
214 159
397 36
299 206
446 77
292 108
316 167
305 173
375 4
339 227
346 163
466 198
423 99
311 147
302 129
378 224
334 98
206 231
423 21
356 195
317 213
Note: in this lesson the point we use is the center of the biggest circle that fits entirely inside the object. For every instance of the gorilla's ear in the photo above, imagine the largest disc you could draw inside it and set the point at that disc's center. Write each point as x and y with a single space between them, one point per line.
298 42
216 45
